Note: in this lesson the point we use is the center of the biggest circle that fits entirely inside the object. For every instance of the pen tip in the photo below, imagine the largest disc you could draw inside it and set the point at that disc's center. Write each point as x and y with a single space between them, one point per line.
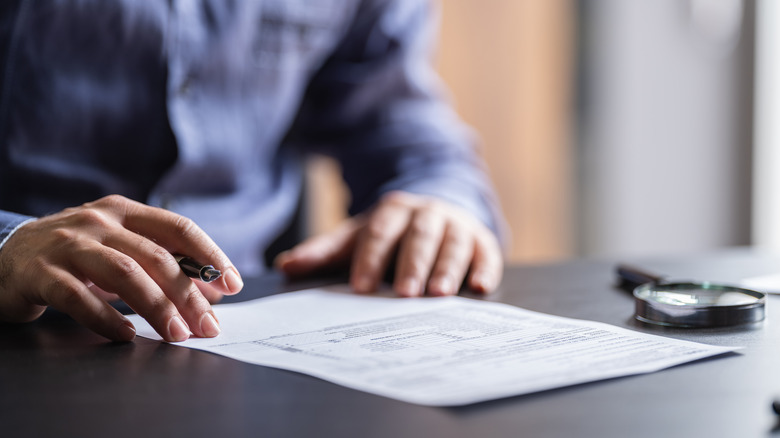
209 274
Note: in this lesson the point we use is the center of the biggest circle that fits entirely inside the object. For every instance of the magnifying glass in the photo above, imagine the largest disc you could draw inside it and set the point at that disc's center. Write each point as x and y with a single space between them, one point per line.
690 304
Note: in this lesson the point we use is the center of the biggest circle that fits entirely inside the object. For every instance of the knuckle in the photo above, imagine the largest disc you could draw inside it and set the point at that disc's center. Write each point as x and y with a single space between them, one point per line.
456 258
62 236
214 253
113 200
158 256
125 268
63 294
396 196
72 210
110 206
457 239
378 229
422 227
91 217
440 270
157 305
435 206
192 297
366 262
456 251
403 199
416 268
69 297
184 227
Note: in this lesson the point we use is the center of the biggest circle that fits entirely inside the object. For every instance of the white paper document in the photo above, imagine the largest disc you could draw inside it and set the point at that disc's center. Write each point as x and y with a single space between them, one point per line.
432 351
765 283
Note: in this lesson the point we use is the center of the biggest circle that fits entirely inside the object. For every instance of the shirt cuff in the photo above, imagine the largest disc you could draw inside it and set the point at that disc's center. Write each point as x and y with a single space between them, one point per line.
9 228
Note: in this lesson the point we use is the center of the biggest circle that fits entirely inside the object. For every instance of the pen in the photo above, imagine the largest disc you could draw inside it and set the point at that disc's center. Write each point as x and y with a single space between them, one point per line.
630 277
193 269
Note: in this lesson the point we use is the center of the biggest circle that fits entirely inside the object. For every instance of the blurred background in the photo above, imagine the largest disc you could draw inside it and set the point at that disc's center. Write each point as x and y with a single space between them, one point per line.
614 127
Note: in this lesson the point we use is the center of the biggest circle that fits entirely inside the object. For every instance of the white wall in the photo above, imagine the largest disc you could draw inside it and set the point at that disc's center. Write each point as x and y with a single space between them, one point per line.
665 118
766 196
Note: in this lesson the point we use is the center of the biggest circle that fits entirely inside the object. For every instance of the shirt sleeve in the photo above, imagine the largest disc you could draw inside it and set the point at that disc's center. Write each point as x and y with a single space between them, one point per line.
9 223
379 108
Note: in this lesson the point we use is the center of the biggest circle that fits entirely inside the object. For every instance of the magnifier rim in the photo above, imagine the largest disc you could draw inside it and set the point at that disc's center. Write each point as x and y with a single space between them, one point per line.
697 315
760 297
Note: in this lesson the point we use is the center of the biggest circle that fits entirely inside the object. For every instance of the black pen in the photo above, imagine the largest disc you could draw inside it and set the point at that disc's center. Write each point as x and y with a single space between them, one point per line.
193 269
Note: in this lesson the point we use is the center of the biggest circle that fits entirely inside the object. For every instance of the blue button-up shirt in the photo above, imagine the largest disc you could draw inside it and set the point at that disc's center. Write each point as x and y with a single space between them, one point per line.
206 107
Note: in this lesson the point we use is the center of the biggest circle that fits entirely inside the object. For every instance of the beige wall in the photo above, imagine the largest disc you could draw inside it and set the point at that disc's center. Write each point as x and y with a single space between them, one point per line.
508 65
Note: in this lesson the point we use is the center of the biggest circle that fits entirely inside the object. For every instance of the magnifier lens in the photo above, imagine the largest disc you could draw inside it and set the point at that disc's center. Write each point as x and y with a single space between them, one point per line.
698 304
701 297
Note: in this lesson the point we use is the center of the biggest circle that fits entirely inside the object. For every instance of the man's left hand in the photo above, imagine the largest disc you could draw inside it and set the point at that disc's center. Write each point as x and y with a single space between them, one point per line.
436 245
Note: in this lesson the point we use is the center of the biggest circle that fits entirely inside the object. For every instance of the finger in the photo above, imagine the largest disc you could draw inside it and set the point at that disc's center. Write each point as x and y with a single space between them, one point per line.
175 233
452 262
417 252
100 293
320 252
118 273
375 244
162 267
212 293
487 265
70 295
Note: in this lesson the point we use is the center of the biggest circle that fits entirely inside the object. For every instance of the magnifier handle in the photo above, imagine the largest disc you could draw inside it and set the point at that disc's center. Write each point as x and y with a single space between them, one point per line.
630 277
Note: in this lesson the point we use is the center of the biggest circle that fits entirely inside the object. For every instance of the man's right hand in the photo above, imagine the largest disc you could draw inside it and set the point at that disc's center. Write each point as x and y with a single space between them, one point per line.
76 259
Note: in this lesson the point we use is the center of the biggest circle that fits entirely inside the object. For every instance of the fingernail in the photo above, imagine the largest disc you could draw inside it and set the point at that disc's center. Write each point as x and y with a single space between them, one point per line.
209 326
443 286
410 287
233 281
125 332
364 284
177 329
481 282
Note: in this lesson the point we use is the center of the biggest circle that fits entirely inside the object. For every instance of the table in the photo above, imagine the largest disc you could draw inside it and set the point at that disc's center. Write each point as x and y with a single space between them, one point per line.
59 379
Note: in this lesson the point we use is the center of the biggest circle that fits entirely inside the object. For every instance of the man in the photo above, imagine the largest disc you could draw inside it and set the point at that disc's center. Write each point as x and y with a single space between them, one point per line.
125 123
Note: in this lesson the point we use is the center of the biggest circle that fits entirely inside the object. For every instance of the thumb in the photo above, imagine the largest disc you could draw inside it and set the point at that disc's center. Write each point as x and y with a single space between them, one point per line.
323 252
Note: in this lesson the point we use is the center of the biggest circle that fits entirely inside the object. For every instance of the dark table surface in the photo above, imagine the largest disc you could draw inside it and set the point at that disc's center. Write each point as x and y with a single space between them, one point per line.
58 379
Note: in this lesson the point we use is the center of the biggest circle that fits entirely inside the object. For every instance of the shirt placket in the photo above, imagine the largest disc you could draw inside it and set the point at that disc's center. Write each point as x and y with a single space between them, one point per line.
180 40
